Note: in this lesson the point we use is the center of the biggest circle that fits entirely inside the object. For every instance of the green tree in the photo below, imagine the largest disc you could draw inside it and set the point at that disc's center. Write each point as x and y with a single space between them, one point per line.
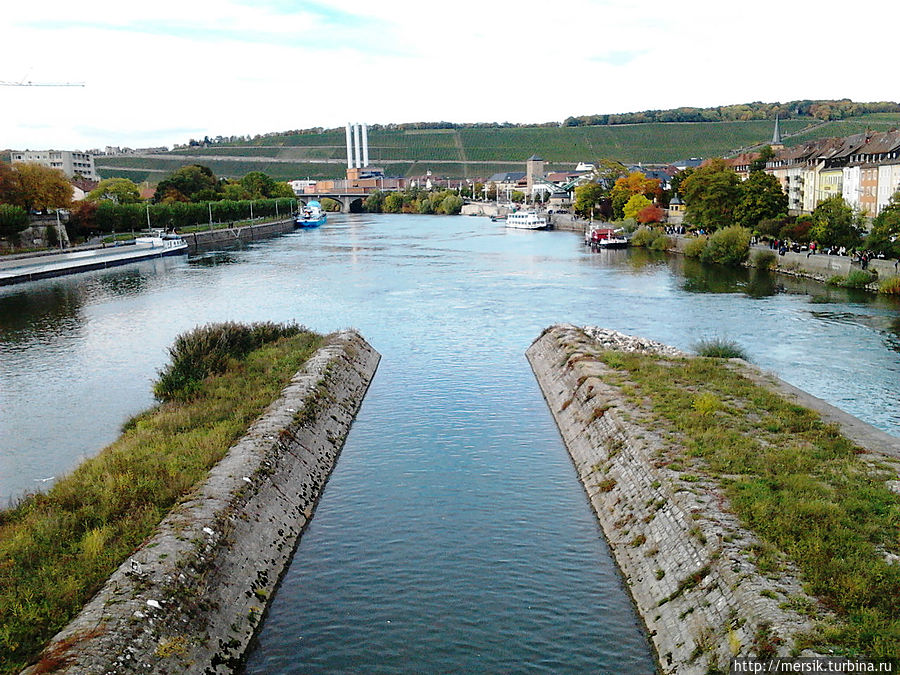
678 179
185 183
761 198
635 205
885 234
116 190
836 224
451 205
393 203
587 197
374 203
233 190
710 195
765 154
13 219
42 187
282 190
258 184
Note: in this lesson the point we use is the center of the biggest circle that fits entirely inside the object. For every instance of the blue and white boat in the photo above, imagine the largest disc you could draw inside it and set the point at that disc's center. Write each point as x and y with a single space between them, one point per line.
310 215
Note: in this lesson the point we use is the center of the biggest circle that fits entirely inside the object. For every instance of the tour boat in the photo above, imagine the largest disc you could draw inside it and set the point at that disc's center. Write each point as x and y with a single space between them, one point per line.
171 244
311 215
526 220
604 237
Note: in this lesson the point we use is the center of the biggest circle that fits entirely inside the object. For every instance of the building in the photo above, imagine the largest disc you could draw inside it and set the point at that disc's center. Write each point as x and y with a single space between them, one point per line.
675 212
534 170
71 162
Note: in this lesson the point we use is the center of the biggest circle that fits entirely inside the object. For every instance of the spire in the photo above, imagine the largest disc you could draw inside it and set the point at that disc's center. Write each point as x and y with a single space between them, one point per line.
776 136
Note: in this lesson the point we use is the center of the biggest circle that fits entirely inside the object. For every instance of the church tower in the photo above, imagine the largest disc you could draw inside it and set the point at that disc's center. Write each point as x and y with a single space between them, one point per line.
776 143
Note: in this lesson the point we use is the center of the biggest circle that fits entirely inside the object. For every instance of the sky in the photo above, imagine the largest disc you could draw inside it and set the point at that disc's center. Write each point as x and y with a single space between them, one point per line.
162 73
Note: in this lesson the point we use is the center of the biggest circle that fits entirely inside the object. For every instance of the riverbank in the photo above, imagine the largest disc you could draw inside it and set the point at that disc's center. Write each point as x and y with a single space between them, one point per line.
708 586
819 267
191 597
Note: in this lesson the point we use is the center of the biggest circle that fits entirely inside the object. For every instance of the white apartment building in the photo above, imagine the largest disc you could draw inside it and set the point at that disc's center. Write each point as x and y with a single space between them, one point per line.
70 162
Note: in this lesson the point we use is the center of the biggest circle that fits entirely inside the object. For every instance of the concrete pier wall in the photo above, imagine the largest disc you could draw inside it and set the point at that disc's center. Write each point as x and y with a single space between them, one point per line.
684 556
192 597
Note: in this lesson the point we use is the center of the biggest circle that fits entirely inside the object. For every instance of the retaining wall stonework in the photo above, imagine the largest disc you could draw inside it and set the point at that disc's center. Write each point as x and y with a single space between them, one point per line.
191 598
211 238
684 556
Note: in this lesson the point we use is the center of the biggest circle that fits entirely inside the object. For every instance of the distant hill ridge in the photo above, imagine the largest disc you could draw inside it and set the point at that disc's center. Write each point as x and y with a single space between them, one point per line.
478 150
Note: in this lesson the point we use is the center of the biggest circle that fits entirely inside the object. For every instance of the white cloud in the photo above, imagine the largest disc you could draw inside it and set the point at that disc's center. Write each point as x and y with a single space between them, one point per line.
233 67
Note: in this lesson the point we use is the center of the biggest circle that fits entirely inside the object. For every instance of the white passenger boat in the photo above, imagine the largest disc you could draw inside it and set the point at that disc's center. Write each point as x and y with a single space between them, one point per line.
526 220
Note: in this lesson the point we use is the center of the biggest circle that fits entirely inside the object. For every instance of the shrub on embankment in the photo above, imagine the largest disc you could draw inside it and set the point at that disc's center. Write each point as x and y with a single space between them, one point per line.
856 279
652 239
58 548
813 498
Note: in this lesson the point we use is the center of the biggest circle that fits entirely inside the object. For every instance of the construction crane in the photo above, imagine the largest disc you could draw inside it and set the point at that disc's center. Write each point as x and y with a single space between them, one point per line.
24 82
40 84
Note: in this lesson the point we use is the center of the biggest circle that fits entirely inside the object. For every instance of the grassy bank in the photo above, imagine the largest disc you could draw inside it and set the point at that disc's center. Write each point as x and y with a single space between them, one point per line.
814 499
58 548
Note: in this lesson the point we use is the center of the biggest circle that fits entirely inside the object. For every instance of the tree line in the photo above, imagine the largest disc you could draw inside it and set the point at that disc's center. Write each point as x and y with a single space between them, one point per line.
715 198
815 109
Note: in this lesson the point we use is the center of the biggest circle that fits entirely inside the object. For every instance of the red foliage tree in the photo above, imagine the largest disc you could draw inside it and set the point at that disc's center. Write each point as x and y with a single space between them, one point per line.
650 214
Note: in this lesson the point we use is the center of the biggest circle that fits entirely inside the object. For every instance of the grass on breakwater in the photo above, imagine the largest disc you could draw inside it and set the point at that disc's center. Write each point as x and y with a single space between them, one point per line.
57 549
812 496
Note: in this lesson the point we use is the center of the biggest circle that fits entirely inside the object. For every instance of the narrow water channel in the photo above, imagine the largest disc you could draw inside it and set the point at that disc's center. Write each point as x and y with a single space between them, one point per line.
453 535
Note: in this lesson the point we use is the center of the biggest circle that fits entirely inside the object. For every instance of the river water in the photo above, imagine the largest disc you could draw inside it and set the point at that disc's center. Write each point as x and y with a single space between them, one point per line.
453 535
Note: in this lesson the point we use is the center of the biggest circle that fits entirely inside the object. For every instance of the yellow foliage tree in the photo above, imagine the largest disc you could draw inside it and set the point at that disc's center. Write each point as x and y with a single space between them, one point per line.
41 187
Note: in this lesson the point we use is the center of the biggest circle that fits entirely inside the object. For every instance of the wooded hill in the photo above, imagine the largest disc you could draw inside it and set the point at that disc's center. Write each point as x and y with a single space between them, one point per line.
479 150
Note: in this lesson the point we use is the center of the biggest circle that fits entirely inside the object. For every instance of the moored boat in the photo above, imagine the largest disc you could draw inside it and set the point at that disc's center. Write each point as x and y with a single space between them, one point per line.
156 244
171 244
526 220
310 215
604 237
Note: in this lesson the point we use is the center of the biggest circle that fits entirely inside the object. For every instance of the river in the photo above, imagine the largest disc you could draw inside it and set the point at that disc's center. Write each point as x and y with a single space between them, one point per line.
453 535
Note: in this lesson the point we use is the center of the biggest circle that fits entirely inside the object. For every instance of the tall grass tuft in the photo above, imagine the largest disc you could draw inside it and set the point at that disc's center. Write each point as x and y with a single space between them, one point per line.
208 350
891 286
719 348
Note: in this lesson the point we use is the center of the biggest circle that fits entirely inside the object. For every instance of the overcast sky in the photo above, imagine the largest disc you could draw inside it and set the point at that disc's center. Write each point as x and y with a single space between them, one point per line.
159 73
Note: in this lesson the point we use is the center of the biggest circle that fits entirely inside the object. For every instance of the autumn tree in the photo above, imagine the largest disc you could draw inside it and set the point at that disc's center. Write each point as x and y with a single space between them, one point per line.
41 187
761 198
116 190
635 205
650 214
9 184
710 194
626 187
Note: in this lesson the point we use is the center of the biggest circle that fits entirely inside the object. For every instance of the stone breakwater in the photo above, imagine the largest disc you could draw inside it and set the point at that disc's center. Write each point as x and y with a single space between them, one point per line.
684 556
192 597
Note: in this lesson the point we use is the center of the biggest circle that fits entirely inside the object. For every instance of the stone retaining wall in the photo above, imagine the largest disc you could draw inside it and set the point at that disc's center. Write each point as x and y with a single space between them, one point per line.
191 598
684 556
212 238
